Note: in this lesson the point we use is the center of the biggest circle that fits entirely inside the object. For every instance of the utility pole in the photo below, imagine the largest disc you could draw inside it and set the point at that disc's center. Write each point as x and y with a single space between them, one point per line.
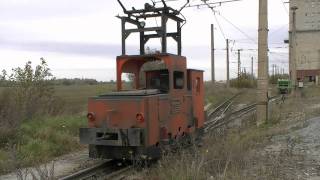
273 67
212 55
239 64
293 47
262 90
252 68
227 41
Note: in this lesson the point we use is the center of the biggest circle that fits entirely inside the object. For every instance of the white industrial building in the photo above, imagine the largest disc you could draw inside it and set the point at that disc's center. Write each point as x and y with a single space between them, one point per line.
307 39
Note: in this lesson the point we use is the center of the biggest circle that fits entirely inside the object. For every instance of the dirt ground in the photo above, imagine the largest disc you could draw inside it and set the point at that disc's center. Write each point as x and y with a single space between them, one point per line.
296 155
293 149
63 166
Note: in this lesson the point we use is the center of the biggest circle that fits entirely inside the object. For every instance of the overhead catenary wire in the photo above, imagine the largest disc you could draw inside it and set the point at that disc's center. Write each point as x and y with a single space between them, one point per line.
284 7
278 57
205 3
221 30
236 27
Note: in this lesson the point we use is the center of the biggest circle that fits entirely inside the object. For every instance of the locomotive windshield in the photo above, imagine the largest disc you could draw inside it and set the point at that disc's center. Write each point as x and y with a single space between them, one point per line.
158 79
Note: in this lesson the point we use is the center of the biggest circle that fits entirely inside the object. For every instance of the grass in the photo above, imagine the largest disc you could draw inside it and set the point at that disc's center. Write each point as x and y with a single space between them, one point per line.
217 93
41 140
76 96
223 156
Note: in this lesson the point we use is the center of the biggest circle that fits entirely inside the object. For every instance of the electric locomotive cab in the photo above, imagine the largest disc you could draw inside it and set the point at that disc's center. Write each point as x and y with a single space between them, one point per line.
167 103
130 124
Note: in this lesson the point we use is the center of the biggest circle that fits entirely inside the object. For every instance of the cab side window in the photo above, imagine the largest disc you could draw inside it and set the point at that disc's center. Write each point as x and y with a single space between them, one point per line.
197 85
178 79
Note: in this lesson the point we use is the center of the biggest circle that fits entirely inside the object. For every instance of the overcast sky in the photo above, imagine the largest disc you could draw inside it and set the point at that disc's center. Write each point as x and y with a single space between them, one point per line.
81 38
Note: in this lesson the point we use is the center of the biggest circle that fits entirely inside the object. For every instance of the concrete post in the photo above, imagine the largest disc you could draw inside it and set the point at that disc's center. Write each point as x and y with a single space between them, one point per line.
239 64
227 41
252 74
212 55
293 43
262 90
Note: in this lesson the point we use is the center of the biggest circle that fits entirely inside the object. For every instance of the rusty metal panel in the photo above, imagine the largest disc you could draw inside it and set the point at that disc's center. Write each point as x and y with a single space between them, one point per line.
197 91
152 120
112 137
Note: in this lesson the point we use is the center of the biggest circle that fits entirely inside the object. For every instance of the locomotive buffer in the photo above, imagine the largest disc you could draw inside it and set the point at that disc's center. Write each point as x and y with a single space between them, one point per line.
165 108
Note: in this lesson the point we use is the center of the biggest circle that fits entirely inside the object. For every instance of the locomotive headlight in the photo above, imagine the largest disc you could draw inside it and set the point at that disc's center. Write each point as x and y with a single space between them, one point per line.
91 116
139 118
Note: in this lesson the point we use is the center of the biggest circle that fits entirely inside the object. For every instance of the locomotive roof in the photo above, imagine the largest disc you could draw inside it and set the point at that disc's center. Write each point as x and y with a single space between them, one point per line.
196 70
142 92
155 55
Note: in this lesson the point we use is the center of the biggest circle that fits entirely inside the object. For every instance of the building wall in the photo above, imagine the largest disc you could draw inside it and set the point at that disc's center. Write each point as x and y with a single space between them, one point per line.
308 14
308 50
307 36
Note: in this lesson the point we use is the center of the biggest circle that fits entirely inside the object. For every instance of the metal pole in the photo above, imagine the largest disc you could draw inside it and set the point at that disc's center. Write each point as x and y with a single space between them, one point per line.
164 34
142 44
239 64
179 38
293 61
212 55
273 67
227 41
123 38
252 67
262 90
252 74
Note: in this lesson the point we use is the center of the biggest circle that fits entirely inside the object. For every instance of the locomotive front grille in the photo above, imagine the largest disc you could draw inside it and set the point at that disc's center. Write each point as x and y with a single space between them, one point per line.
112 137
175 106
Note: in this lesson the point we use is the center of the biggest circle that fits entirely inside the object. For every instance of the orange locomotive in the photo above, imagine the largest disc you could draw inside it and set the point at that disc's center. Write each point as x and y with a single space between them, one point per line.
166 106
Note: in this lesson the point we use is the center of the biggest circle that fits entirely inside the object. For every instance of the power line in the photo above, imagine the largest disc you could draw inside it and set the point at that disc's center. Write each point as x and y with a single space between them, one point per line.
221 30
277 30
205 3
214 14
284 7
245 34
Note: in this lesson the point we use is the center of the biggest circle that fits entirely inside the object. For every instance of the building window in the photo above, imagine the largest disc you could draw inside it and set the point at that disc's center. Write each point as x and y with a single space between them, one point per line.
178 79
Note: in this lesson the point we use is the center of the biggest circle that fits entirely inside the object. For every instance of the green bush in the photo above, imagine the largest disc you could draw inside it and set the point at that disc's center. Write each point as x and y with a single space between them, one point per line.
30 94
244 81
273 79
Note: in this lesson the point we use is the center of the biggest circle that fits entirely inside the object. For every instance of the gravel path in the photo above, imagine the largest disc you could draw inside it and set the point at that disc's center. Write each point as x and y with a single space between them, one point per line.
63 165
298 152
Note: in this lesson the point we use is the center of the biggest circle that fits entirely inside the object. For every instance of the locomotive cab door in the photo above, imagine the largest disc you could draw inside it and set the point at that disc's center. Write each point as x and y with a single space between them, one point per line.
196 87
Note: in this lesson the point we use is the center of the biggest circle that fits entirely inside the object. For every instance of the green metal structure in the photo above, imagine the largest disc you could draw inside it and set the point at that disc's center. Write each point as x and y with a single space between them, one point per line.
284 86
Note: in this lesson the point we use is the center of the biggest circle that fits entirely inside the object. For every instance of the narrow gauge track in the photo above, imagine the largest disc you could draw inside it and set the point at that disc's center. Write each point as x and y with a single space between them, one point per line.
105 170
221 109
218 117
225 118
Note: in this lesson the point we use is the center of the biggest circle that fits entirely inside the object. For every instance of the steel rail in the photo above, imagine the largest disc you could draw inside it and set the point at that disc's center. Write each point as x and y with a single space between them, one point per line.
275 98
222 107
99 171
230 117
224 119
